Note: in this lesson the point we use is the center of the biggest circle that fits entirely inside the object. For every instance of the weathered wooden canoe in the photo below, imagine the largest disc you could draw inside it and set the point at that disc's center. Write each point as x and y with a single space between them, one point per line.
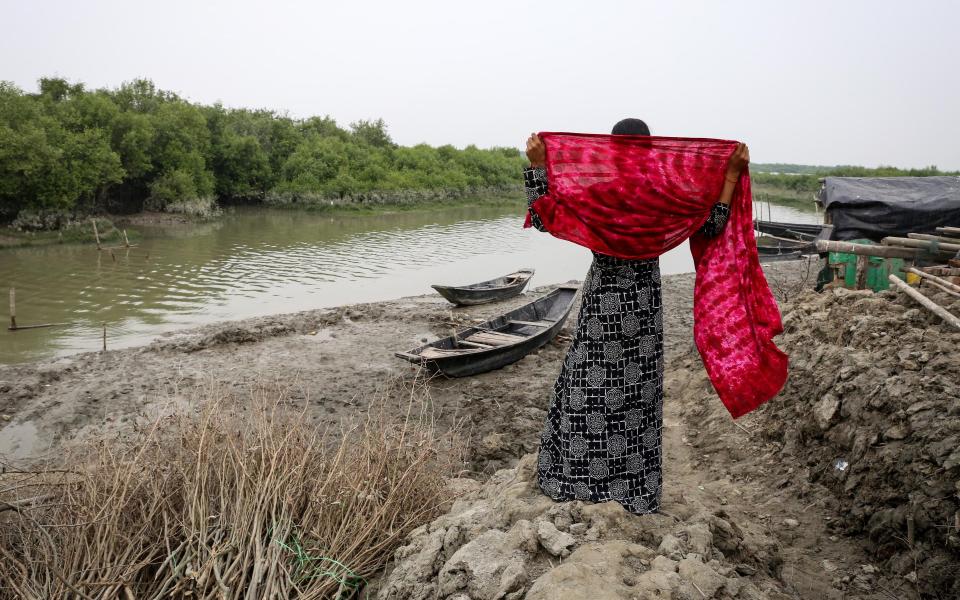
500 288
499 341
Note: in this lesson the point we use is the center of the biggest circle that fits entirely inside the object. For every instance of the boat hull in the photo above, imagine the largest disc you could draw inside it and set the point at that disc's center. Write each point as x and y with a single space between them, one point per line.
797 231
485 292
555 307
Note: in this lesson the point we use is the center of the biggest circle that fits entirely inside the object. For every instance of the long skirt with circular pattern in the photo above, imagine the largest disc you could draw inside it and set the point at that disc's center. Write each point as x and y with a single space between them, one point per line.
602 435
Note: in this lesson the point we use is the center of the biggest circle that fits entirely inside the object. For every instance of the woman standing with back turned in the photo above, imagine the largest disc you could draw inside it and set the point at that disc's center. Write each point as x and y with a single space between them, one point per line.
602 436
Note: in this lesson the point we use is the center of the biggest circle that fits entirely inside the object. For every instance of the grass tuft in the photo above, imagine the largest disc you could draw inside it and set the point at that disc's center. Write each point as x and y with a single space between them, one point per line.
232 500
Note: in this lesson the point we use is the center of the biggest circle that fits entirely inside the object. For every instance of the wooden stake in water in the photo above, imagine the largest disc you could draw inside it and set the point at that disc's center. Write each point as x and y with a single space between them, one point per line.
96 234
104 337
126 242
13 308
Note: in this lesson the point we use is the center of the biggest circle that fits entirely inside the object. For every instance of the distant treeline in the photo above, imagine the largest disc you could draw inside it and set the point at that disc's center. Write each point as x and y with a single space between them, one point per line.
136 147
807 177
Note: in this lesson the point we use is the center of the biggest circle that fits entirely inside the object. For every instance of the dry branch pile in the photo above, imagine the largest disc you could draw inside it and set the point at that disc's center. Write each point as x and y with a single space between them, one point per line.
227 503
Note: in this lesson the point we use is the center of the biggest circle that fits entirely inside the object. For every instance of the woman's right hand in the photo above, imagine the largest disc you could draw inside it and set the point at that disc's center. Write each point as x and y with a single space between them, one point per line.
536 151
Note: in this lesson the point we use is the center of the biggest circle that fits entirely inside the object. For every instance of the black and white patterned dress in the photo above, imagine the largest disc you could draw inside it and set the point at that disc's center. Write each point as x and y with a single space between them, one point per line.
602 435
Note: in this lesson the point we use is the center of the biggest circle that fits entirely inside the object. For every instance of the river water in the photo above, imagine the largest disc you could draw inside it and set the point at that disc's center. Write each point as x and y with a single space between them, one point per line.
255 262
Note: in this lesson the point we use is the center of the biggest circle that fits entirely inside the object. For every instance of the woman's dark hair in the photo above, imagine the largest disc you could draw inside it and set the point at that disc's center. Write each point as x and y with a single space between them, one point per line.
631 127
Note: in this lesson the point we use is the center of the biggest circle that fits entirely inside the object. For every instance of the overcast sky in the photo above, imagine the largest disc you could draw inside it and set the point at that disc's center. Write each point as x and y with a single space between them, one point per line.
815 82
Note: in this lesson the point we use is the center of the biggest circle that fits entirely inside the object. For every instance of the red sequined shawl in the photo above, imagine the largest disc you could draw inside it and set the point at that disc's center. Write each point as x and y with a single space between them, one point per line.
639 196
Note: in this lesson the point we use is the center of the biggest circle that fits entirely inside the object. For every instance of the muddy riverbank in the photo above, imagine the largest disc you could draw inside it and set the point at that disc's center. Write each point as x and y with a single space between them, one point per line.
748 513
339 357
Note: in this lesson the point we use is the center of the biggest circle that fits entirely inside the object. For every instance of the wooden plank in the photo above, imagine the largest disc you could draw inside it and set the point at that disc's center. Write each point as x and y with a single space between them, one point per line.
444 352
495 338
532 323
924 301
866 249
473 345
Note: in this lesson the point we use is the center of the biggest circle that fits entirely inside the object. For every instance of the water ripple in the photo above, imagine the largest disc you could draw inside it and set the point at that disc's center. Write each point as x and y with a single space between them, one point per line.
261 262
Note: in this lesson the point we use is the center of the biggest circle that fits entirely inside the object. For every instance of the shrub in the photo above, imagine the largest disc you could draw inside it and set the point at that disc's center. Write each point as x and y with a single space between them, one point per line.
227 499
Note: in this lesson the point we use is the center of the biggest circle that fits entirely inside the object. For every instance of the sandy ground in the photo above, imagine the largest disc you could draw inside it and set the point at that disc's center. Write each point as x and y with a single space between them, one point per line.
337 359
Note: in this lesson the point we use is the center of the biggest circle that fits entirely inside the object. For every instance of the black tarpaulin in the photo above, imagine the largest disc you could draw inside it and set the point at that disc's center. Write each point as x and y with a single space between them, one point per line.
876 207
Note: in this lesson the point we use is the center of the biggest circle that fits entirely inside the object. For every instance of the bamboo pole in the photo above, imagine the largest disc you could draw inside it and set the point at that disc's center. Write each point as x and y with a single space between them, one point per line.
924 301
949 230
925 244
126 241
96 234
932 277
866 249
943 289
104 337
41 326
934 238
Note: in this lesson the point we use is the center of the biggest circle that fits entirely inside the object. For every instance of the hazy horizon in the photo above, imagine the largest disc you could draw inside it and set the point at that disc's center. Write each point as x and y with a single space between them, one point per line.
858 83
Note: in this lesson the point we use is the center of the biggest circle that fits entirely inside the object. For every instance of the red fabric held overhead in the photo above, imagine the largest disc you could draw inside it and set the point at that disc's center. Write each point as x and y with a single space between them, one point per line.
639 196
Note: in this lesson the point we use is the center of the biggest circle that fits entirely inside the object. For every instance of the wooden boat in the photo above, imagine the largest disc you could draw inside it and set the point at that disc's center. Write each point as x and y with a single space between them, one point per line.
774 249
790 255
794 231
769 245
500 288
766 248
499 341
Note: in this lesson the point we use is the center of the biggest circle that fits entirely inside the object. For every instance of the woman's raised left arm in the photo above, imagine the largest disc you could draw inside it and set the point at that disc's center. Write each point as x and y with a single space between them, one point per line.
721 210
535 177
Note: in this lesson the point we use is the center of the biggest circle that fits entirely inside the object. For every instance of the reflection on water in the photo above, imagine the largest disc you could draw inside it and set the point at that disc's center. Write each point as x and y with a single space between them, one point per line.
257 262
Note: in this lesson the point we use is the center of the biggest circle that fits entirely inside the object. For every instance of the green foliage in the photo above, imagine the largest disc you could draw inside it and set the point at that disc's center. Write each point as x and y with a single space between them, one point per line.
48 161
69 148
170 187
787 181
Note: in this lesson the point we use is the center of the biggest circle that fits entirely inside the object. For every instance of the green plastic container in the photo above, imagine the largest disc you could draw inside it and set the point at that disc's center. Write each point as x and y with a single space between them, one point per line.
843 267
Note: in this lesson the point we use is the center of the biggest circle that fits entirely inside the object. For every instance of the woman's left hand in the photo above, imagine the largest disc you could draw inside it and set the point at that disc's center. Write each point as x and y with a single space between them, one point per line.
536 151
738 162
